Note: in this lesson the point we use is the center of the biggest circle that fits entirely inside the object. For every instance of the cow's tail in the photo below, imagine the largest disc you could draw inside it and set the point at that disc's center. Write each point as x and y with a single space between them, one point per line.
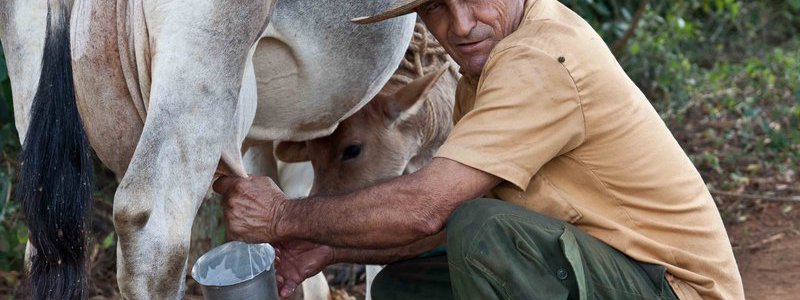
56 172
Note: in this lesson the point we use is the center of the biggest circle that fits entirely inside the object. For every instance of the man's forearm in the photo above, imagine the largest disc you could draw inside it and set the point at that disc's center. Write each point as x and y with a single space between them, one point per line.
403 210
387 256
388 215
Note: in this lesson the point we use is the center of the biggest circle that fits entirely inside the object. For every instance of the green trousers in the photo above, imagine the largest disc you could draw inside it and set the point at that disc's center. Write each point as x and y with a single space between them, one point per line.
496 250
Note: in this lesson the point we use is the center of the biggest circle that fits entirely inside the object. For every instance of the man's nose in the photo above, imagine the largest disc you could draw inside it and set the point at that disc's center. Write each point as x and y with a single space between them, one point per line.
462 20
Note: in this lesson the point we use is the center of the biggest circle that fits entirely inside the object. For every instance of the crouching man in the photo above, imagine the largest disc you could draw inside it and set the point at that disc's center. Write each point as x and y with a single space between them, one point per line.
589 196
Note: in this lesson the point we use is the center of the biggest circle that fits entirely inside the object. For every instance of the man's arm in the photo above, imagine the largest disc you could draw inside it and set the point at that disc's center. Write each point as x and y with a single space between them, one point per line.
387 256
388 215
392 214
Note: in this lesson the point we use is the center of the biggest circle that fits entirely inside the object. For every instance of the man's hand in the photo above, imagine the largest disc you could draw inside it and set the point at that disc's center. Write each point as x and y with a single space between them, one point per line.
298 260
251 206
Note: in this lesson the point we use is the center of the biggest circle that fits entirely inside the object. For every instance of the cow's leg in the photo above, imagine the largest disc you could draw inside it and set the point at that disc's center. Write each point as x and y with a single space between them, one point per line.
372 271
316 288
198 52
259 160
22 30
296 179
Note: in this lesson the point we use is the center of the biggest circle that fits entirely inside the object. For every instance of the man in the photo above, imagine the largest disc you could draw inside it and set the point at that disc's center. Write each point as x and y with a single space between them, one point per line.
596 198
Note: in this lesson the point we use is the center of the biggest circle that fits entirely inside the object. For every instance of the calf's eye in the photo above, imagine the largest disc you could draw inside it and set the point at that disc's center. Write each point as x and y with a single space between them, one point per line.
351 152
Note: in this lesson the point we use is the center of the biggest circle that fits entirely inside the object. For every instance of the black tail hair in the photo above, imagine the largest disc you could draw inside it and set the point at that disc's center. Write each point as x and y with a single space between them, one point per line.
56 172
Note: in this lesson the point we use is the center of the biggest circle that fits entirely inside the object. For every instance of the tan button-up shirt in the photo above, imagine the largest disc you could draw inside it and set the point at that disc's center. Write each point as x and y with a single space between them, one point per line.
554 115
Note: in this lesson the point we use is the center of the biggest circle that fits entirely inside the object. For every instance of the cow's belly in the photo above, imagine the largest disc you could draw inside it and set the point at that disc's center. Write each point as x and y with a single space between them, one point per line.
314 68
110 118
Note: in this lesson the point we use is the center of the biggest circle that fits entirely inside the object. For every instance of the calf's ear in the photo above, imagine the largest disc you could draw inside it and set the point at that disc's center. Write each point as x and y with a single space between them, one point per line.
291 152
409 99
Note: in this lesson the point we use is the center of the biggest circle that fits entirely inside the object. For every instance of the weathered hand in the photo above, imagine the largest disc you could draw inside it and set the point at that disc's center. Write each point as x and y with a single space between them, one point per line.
298 260
251 206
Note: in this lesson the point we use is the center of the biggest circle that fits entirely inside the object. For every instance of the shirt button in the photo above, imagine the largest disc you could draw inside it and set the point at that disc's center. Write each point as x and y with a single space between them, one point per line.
562 274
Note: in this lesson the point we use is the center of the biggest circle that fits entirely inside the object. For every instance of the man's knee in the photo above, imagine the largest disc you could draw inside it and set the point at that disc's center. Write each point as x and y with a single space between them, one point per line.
476 215
497 225
471 213
468 221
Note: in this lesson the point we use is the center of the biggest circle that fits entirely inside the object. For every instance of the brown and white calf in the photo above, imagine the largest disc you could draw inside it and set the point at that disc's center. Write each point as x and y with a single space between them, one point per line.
396 133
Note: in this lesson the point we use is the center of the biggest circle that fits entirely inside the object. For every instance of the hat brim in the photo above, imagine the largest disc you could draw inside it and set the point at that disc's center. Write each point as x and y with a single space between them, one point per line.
400 10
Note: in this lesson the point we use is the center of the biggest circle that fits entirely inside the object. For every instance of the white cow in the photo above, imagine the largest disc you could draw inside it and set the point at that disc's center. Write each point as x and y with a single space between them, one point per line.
165 89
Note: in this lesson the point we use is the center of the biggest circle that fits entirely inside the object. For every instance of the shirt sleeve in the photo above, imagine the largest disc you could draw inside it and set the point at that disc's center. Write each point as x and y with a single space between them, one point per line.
527 111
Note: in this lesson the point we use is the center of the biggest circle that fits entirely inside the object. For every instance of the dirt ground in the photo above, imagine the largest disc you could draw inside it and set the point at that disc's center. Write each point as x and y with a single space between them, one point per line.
767 249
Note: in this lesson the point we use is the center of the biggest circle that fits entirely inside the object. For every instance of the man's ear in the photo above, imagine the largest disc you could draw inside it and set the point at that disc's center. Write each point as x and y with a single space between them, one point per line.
291 152
409 99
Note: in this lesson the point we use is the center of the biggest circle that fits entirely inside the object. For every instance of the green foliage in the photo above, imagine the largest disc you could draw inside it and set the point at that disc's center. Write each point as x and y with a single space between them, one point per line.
13 233
610 18
6 114
725 76
108 241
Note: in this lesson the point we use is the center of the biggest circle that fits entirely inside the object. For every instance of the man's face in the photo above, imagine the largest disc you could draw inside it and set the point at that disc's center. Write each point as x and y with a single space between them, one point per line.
470 29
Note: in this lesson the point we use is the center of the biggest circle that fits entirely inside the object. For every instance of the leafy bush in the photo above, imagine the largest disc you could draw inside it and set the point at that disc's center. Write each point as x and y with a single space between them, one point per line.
725 76
13 233
610 18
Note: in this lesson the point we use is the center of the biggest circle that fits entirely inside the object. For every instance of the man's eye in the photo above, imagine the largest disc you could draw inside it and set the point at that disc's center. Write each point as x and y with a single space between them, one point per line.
432 6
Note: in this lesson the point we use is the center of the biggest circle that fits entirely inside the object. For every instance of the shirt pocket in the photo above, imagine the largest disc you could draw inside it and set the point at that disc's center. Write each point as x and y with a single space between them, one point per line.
543 197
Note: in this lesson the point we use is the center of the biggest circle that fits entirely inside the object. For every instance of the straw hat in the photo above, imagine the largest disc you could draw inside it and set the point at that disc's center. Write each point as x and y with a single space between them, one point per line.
400 7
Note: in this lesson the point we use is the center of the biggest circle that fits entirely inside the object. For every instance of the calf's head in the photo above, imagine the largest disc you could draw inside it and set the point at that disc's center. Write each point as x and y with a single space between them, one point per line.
390 136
